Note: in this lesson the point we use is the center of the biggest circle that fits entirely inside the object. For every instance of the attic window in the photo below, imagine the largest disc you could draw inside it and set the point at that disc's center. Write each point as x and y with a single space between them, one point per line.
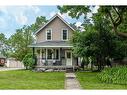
64 34
48 34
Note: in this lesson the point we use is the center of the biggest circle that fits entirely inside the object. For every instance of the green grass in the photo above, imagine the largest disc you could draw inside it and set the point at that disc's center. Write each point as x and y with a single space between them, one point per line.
24 79
89 80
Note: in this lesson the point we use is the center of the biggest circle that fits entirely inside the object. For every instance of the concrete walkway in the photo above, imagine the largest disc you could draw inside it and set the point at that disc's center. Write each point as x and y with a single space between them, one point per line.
7 69
71 82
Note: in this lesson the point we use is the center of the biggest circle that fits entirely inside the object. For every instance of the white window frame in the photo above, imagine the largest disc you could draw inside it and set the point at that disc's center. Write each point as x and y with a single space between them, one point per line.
46 34
62 34
52 55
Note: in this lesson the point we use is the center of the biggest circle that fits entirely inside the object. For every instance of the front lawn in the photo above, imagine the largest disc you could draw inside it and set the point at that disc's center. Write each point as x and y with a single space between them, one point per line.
88 80
25 79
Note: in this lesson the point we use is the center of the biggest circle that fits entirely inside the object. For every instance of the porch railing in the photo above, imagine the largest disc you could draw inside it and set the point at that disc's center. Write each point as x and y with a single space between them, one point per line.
44 62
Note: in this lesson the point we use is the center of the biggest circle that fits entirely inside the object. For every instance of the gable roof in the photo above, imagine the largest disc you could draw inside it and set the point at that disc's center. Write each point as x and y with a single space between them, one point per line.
57 15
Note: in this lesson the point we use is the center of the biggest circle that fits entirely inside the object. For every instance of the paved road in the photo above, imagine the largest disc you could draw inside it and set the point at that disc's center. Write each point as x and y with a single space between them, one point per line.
7 69
71 82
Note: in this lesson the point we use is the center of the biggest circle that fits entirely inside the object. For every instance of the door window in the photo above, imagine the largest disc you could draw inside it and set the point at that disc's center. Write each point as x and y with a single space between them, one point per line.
68 55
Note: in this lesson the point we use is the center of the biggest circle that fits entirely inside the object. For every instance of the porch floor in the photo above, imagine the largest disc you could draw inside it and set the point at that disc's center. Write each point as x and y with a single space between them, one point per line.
59 67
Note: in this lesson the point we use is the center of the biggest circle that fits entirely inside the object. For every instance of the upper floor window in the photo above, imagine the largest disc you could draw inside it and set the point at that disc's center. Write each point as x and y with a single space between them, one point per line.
48 34
64 34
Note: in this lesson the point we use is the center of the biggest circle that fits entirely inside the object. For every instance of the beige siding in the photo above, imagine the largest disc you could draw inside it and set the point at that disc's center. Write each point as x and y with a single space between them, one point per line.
56 25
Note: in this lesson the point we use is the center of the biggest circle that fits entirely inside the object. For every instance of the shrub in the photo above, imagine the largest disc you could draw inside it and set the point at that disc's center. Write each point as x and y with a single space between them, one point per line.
29 62
115 75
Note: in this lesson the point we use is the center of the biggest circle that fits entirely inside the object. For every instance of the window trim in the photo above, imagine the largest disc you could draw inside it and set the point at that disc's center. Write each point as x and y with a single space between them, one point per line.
46 34
62 34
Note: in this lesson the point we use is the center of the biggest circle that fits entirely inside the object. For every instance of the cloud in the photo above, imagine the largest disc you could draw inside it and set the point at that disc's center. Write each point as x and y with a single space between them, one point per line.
35 9
64 15
3 23
3 9
95 9
21 18
52 13
78 24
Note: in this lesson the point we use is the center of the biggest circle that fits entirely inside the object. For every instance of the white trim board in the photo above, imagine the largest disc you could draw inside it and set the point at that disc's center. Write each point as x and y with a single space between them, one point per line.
52 46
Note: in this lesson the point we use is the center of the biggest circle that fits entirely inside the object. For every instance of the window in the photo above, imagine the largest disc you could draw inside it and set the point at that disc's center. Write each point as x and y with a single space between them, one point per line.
64 34
53 54
68 55
48 34
49 54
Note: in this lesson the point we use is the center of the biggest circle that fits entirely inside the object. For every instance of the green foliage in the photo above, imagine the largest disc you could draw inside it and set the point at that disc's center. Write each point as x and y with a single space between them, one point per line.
23 37
74 11
115 75
4 47
120 49
117 15
29 62
89 80
40 21
19 42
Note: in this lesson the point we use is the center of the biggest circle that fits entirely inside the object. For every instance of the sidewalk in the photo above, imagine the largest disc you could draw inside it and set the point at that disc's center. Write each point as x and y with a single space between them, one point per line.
71 82
7 69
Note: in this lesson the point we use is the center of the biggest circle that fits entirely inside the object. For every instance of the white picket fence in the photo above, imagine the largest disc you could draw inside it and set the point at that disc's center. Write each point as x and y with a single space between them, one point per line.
13 63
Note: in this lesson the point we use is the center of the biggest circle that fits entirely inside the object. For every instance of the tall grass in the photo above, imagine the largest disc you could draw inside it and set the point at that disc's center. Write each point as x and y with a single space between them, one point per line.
115 75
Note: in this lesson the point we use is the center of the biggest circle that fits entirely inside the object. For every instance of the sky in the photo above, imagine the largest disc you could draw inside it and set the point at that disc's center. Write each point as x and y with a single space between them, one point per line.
15 17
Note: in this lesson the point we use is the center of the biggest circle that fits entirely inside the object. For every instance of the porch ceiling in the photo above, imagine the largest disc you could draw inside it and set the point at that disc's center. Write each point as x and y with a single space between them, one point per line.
52 44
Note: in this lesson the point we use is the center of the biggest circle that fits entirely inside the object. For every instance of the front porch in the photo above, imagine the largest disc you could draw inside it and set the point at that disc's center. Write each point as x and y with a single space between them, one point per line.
54 54
55 57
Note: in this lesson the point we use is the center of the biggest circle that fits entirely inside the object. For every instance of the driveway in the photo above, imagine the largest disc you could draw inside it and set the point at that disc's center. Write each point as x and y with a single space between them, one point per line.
7 69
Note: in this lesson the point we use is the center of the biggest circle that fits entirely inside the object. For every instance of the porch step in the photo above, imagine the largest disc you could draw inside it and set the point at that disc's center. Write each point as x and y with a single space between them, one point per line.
69 70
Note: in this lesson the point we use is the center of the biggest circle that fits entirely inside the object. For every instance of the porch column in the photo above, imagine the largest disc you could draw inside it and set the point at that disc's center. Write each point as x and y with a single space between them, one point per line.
61 56
40 56
34 55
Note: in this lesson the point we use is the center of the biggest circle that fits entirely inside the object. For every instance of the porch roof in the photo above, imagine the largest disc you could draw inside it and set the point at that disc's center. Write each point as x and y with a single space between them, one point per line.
52 44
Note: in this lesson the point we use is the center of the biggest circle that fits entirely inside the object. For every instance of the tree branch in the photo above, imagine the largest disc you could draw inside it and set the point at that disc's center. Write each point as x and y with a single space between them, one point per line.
111 17
118 21
122 34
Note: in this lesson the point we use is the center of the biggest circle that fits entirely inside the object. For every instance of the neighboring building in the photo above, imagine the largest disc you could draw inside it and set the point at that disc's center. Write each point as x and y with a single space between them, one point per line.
52 47
2 58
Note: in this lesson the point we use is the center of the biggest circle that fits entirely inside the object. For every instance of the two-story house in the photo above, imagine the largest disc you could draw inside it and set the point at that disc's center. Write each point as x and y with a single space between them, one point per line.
52 46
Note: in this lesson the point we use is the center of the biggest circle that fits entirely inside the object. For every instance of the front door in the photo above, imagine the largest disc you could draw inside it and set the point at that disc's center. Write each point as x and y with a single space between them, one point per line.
68 57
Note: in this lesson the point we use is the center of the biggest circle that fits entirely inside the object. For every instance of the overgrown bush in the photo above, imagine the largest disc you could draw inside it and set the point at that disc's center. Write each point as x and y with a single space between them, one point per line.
115 75
29 62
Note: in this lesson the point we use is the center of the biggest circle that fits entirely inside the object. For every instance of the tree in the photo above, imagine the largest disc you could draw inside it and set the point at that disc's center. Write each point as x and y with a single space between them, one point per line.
75 11
20 41
3 39
97 42
102 42
23 37
4 47
117 16
40 21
